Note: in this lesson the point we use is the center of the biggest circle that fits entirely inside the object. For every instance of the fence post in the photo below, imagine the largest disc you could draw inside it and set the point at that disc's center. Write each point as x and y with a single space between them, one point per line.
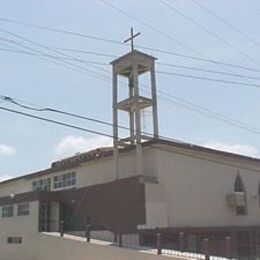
228 247
115 237
206 248
120 242
61 228
88 232
181 241
159 243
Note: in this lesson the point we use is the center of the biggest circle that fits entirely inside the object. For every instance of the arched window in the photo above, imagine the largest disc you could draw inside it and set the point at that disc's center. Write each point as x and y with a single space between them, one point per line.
259 194
239 187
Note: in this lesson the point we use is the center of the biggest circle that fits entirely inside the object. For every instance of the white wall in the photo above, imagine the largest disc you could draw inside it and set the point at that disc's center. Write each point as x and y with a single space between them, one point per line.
91 173
19 226
51 247
195 190
15 187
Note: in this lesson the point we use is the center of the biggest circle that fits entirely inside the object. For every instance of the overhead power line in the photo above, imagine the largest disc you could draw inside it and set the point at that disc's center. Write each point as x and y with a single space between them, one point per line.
161 72
208 71
107 77
13 101
88 52
56 122
184 105
160 63
52 50
209 79
215 62
52 56
46 28
86 36
47 109
212 33
54 59
208 113
151 27
166 96
225 22
44 55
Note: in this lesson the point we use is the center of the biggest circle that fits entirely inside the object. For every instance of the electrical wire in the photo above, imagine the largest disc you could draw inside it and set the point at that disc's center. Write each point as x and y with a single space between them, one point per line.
208 71
108 77
47 109
151 27
53 50
208 113
122 44
225 22
214 116
13 101
58 57
88 52
56 122
166 96
208 79
205 29
60 61
160 63
158 71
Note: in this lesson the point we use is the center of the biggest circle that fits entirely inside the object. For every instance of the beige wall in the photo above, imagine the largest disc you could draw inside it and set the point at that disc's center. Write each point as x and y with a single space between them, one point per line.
192 185
66 249
15 187
19 226
91 173
195 189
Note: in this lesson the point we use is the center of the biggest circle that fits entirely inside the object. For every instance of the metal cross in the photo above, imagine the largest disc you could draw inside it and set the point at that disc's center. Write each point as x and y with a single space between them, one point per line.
131 38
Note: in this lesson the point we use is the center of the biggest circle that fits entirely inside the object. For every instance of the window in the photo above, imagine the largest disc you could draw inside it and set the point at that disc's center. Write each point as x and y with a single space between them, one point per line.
259 194
7 211
23 209
39 185
14 240
64 180
239 187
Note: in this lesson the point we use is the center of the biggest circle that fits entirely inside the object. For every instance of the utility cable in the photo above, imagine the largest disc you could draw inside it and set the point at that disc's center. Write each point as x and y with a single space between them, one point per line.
91 37
51 49
56 122
176 100
60 61
225 22
56 57
161 72
159 63
151 27
208 71
208 79
205 29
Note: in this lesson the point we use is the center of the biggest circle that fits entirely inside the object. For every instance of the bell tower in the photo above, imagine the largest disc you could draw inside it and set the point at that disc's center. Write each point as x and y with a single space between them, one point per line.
130 67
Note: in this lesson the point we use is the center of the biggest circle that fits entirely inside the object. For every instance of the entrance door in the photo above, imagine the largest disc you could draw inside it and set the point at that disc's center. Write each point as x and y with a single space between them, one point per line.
45 217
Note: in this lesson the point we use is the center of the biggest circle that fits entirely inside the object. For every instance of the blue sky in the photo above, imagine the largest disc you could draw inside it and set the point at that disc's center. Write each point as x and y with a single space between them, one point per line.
27 145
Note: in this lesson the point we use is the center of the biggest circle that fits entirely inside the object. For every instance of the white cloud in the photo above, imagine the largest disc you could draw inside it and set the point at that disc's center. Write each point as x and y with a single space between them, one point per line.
242 149
71 145
6 150
5 177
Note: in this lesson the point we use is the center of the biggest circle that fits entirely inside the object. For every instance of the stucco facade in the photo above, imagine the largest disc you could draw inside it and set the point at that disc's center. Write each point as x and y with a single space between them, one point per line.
182 187
193 188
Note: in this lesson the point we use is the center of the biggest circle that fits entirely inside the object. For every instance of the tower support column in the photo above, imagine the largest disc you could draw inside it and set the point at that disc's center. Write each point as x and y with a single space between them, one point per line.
115 124
131 66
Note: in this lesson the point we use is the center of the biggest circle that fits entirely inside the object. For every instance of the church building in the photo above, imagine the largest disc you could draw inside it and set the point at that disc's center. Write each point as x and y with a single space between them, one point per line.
142 185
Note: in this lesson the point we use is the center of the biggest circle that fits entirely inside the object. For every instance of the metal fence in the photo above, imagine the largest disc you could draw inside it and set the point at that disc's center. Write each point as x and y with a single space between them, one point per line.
159 244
